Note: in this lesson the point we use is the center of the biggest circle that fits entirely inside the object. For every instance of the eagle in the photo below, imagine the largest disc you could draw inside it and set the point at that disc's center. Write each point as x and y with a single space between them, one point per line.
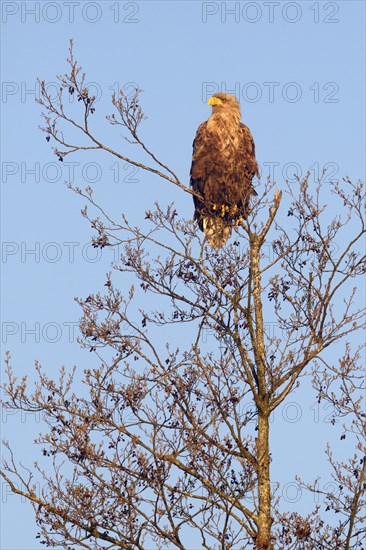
223 166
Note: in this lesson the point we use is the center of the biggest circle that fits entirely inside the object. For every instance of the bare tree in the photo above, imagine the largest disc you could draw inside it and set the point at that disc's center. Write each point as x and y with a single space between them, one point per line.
160 450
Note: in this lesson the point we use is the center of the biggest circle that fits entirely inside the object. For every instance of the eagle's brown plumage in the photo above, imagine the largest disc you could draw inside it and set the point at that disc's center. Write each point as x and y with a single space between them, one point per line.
223 166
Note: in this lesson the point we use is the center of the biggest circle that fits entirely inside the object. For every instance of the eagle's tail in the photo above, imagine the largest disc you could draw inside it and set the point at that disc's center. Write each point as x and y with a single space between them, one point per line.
217 231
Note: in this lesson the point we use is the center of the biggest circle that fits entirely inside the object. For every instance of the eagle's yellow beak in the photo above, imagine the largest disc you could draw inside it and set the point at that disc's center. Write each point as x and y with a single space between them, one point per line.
214 101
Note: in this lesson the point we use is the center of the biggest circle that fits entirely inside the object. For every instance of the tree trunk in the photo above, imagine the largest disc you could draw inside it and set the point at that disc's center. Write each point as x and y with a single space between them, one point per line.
265 520
263 541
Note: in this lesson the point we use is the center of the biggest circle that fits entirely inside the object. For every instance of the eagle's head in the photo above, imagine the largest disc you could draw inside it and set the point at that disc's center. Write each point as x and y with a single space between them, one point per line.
222 103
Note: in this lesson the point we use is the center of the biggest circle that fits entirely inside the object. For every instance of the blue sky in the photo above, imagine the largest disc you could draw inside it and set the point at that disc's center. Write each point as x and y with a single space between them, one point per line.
298 69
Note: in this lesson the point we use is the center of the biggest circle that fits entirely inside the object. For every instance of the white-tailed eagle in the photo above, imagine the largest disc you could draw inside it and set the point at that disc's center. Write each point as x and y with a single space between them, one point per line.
223 166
